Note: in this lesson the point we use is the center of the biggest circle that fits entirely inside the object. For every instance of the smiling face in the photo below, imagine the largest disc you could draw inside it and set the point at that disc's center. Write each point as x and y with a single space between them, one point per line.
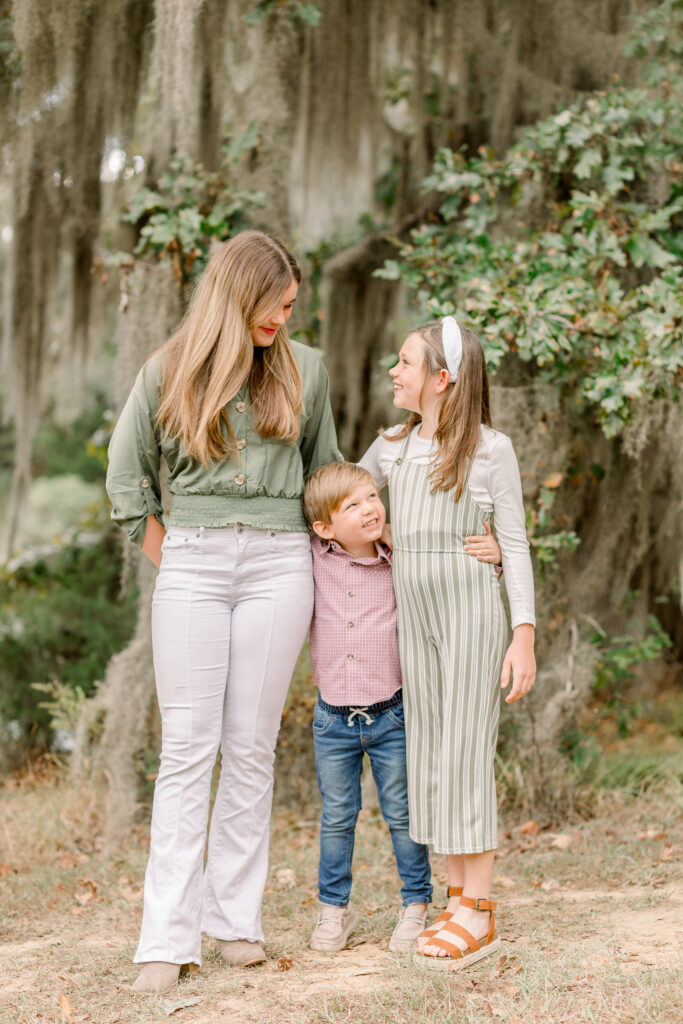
263 333
409 375
358 521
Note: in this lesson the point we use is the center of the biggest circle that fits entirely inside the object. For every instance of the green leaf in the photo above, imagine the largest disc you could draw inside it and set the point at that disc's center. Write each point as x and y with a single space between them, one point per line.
590 158
645 252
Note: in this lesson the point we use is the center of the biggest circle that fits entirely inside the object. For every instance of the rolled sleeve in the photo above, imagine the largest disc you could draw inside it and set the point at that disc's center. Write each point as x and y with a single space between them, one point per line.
319 442
133 482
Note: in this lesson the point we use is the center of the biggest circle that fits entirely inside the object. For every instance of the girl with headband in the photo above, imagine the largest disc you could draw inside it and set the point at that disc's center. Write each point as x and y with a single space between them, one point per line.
447 472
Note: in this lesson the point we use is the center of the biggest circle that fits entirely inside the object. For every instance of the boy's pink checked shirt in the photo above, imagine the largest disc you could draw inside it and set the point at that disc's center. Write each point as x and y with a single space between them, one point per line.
354 646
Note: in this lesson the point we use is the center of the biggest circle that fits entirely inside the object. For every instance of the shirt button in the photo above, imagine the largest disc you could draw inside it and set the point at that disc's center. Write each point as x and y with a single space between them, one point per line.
351 593
144 482
350 657
241 444
352 563
240 479
350 625
241 407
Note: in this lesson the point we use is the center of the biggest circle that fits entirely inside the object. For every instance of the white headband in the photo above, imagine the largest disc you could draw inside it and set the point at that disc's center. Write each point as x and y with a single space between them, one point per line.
452 345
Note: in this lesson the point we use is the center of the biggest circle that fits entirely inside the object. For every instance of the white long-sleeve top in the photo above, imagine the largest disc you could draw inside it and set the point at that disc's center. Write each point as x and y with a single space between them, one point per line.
494 484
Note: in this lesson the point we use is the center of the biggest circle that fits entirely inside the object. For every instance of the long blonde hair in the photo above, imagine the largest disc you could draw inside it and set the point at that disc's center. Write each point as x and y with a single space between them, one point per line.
464 407
211 355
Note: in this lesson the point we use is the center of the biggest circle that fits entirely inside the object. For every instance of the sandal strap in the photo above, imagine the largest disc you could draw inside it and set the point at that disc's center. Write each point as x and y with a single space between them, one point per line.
453 890
457 929
453 951
477 904
435 926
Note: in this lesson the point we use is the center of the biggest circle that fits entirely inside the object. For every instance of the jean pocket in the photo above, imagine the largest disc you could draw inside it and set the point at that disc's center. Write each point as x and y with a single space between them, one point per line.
396 715
322 720
182 540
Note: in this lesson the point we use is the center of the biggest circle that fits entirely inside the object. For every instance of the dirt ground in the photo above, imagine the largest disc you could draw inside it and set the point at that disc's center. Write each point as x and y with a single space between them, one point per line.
590 916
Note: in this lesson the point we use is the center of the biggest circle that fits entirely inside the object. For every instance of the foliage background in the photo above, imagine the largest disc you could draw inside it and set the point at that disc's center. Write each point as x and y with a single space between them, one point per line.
518 166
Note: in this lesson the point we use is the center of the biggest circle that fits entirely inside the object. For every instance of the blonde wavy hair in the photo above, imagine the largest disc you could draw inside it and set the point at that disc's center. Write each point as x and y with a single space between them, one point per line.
464 407
212 354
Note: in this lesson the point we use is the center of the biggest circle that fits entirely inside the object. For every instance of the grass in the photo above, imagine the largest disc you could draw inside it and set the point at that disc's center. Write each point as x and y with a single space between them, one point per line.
588 923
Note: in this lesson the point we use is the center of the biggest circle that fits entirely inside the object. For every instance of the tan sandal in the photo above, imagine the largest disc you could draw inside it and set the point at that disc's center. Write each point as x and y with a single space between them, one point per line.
457 958
435 926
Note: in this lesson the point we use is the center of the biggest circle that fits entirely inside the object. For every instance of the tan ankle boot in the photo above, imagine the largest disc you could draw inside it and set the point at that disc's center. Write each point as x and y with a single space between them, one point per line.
156 976
241 952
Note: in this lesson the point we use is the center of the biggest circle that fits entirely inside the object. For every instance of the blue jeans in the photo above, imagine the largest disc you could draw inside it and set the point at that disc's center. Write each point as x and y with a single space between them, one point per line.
339 749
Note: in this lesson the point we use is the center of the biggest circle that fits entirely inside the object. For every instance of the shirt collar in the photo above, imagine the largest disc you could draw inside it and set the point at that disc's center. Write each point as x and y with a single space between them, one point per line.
383 553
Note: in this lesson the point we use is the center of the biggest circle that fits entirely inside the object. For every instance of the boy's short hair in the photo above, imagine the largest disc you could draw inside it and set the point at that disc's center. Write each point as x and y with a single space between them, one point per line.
327 487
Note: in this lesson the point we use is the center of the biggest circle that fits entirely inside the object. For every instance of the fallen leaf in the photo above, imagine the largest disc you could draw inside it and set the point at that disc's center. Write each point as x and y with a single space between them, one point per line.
511 990
5 870
285 878
551 883
561 842
285 963
65 1014
529 828
667 853
507 883
170 1008
652 833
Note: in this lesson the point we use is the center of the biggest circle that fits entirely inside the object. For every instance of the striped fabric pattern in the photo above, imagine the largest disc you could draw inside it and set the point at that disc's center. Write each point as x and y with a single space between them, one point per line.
452 638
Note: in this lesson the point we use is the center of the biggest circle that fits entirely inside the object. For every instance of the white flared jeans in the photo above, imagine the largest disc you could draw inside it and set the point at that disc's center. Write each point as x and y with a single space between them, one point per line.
230 614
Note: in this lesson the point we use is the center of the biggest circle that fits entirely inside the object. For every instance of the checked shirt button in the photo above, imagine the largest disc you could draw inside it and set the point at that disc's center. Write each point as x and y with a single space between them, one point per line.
241 406
240 479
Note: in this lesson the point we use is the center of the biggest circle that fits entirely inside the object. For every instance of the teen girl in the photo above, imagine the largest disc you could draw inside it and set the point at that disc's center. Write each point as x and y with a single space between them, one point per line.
448 471
241 415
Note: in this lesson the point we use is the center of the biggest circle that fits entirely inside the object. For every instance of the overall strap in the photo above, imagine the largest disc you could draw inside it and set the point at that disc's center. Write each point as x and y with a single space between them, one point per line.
404 447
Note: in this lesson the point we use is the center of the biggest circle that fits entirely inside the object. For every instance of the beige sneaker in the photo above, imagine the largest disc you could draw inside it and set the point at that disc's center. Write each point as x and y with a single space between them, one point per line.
334 926
411 921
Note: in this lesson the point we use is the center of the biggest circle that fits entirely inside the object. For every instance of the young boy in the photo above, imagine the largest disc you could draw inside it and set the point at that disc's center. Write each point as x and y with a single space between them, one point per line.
354 657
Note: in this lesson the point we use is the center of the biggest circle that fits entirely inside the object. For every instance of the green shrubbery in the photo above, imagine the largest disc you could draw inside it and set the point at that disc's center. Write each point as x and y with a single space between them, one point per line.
567 250
62 617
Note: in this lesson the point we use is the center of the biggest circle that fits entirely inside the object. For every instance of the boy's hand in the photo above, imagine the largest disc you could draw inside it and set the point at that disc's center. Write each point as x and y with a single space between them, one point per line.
484 548
520 662
386 536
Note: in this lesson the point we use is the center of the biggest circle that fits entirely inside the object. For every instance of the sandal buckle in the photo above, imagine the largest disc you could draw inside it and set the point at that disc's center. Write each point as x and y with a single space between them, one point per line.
478 901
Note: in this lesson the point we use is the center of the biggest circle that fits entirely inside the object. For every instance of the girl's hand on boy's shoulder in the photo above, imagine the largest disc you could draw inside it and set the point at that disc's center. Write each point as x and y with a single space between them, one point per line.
386 536
484 547
520 663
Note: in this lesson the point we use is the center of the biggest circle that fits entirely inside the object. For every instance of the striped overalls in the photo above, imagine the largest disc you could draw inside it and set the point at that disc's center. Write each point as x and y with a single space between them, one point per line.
452 636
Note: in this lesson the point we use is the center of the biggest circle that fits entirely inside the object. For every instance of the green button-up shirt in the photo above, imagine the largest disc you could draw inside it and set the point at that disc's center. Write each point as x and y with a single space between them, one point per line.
263 490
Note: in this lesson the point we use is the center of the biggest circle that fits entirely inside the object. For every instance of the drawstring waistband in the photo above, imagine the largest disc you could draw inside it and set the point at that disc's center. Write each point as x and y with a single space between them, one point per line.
351 711
360 711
